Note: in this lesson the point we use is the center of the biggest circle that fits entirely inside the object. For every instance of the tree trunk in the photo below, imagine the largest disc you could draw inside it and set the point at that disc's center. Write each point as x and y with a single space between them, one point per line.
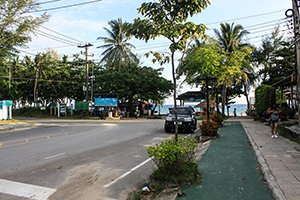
174 97
217 101
247 98
223 99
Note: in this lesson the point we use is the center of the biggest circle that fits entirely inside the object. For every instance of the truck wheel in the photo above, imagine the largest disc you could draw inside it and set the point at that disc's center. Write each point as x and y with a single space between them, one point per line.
192 130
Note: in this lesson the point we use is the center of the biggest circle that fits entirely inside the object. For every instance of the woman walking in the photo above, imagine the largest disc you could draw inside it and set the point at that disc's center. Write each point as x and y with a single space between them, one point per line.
274 117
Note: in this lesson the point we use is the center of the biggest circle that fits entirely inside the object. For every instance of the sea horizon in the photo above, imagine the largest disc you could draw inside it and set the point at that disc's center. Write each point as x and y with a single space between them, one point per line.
240 108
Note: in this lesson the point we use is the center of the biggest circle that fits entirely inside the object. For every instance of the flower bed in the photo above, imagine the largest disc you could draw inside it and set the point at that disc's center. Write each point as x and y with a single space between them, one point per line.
209 128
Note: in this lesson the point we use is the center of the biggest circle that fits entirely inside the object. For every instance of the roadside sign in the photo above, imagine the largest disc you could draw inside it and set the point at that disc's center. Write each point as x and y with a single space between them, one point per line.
81 105
109 102
7 102
1 103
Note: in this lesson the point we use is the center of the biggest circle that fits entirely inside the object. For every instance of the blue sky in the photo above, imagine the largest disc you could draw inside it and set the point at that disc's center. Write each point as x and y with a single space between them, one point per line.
85 23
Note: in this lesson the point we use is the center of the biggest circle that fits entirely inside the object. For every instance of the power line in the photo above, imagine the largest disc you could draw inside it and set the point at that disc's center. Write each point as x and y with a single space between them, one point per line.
46 80
60 34
268 22
45 2
246 17
67 6
53 37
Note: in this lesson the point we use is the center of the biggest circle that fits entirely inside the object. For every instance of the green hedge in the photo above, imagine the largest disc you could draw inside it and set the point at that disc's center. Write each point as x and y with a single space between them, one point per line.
264 98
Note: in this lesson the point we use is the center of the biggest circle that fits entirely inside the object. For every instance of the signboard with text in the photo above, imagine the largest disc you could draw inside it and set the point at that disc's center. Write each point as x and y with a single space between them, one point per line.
81 105
7 102
108 102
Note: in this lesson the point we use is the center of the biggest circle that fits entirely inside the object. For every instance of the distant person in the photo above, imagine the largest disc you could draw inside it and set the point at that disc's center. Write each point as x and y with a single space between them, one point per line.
274 118
234 112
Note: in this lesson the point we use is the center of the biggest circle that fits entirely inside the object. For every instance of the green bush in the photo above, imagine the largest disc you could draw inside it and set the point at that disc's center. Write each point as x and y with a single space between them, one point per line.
175 161
209 128
218 118
264 98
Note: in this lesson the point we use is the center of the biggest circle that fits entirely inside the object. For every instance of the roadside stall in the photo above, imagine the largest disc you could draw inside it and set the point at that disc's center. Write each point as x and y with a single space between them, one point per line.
202 106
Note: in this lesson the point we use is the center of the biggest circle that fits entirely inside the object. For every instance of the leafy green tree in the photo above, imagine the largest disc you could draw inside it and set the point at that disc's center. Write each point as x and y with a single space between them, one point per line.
265 55
201 62
16 24
117 48
132 83
167 18
230 39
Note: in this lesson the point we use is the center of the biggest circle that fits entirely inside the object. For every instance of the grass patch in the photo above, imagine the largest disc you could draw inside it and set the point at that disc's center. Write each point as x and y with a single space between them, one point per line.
13 121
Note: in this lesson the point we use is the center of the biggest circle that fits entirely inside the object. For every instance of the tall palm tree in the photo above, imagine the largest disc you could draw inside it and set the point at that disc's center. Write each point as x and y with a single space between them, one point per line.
116 45
230 38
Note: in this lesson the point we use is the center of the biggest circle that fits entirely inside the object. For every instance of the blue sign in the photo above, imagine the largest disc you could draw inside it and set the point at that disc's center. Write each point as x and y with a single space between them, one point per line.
7 102
1 105
108 102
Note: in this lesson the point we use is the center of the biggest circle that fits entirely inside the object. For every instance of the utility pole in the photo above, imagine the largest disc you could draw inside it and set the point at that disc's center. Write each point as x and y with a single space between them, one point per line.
86 46
9 74
297 49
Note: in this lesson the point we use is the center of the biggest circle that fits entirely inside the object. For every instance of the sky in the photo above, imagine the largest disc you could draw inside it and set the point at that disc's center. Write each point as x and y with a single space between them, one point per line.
82 24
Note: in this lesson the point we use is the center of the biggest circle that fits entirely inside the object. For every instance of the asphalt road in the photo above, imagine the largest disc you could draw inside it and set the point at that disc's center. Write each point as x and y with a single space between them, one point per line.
73 156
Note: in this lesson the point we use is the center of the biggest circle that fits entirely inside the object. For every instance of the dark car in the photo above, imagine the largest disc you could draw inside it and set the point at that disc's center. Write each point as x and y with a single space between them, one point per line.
186 119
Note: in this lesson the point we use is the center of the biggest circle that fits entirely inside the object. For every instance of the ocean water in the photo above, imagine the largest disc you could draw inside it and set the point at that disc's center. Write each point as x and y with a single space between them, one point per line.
240 109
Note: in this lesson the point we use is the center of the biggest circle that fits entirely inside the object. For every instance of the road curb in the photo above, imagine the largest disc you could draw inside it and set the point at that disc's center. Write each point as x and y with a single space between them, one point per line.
268 175
11 127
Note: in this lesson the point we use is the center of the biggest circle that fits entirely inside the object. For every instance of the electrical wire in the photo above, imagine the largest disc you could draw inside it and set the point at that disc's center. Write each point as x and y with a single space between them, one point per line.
45 2
67 6
53 37
60 34
33 79
246 17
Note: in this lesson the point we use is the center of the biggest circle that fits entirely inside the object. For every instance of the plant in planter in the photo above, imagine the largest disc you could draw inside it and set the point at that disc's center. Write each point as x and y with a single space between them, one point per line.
283 113
175 165
218 119
209 128
291 113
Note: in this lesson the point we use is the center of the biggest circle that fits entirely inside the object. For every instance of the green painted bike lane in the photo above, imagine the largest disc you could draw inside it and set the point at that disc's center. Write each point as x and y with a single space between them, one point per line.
229 169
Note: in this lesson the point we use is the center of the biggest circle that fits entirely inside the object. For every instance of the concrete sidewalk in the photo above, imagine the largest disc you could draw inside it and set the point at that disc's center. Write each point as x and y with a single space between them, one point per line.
279 159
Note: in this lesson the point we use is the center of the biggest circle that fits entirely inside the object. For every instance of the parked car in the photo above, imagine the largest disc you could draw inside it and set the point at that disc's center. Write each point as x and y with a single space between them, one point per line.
186 119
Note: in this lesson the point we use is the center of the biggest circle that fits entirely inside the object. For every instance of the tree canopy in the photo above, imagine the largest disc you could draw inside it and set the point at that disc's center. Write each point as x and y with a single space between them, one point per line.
167 18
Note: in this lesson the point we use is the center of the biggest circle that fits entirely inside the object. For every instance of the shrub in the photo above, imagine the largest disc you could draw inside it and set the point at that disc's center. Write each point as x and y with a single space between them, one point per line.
209 128
264 98
175 161
218 119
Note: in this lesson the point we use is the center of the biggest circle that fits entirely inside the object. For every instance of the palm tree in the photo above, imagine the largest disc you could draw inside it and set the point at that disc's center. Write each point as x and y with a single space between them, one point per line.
230 38
116 45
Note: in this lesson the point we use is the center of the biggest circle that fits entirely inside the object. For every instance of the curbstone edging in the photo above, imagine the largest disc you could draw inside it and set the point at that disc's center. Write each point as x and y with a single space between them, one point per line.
268 175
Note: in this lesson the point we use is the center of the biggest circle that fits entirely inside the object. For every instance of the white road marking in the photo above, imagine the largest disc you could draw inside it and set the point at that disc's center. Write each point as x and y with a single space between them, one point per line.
127 173
110 141
25 190
55 156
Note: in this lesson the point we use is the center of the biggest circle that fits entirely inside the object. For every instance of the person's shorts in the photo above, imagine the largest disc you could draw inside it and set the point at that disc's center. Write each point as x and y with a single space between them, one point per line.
273 122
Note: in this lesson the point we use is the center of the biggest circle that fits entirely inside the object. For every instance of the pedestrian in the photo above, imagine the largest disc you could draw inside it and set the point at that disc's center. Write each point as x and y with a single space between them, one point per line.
234 112
274 117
